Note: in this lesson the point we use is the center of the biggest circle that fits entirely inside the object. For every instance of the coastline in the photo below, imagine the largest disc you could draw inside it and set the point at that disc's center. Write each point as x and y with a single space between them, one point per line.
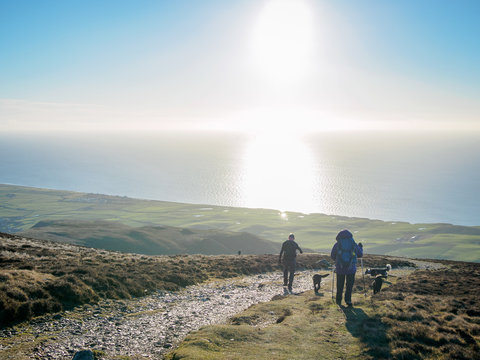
23 207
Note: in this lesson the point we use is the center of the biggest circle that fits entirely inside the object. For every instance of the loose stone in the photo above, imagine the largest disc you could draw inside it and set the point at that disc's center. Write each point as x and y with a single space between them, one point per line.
156 323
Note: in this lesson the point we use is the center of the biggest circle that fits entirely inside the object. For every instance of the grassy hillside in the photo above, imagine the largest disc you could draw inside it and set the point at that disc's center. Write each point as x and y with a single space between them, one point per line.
149 240
423 314
22 207
38 276
414 318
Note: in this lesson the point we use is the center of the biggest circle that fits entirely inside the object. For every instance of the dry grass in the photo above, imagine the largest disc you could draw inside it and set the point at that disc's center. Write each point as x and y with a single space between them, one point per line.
426 315
434 314
38 277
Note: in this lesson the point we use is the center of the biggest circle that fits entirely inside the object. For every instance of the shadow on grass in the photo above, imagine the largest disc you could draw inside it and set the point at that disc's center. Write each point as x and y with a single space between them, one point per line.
370 330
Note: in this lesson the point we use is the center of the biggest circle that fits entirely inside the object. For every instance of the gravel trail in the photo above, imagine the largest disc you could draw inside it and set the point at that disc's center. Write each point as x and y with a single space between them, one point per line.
150 326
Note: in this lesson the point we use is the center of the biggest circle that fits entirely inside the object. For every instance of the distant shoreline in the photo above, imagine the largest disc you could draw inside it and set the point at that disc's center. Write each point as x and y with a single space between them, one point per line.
418 179
223 206
103 219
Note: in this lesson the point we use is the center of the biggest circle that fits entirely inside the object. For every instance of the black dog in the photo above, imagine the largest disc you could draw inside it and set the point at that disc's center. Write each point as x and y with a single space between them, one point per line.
317 281
379 274
377 283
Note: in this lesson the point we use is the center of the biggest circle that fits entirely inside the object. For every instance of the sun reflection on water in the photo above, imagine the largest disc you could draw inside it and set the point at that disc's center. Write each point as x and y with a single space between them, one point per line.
279 173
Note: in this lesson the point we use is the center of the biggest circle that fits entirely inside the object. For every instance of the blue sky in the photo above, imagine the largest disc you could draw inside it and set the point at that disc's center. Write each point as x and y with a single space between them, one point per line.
246 65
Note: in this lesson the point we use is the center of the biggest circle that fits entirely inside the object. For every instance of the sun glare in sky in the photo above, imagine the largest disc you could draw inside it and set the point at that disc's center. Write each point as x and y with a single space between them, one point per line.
282 40
246 65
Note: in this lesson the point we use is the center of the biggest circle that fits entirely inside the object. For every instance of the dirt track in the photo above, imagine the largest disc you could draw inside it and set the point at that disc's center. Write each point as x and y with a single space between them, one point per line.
151 325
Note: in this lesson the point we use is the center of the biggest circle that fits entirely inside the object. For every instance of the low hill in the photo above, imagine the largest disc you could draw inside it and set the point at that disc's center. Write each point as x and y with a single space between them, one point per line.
23 207
149 240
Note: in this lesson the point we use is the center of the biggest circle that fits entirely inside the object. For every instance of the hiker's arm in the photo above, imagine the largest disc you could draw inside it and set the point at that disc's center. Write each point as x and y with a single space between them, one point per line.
280 257
359 250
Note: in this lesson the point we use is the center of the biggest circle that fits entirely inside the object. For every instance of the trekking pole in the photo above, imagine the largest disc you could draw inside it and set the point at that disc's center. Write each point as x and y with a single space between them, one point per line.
363 275
333 280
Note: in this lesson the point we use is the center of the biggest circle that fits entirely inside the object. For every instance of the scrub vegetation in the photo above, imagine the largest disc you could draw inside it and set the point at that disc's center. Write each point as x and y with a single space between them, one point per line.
429 314
426 313
39 277
21 208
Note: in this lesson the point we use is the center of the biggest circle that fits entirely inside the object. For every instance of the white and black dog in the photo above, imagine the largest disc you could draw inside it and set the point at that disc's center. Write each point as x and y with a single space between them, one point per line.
380 274
379 271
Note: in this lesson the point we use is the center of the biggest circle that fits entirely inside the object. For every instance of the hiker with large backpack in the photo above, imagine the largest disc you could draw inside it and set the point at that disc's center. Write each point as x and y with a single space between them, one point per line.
289 252
345 253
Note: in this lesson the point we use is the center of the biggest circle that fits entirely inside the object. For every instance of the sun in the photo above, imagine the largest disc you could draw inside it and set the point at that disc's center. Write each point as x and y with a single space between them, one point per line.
282 39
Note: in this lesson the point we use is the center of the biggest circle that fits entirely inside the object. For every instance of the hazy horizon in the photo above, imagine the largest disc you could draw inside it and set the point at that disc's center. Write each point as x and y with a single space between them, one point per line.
266 75
417 178
273 66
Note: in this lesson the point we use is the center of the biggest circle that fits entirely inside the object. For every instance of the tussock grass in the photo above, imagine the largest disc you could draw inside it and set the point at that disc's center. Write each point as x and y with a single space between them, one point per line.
426 315
39 277
434 314
301 333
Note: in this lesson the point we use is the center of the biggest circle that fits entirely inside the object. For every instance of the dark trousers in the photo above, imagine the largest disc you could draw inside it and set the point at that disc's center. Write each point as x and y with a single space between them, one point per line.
288 273
350 279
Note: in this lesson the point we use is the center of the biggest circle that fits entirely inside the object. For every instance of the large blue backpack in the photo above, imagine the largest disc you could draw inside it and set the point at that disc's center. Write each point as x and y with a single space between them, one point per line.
346 253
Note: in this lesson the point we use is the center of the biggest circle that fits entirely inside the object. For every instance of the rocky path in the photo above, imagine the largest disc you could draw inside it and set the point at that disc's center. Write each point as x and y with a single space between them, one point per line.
148 327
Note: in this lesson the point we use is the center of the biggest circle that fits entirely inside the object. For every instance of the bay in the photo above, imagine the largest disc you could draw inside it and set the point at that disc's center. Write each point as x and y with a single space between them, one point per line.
397 177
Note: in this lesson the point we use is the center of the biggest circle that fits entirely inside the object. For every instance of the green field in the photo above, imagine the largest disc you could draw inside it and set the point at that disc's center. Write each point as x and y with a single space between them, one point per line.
23 207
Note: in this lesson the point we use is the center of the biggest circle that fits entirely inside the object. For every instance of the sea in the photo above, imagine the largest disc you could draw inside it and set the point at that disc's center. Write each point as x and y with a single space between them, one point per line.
413 177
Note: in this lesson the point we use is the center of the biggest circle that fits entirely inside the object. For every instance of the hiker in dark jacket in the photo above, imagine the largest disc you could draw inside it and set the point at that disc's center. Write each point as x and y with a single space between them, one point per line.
345 253
289 252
